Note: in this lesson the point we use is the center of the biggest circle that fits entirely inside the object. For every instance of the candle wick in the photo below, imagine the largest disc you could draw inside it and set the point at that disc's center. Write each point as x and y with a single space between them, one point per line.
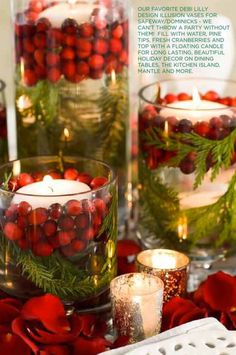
50 188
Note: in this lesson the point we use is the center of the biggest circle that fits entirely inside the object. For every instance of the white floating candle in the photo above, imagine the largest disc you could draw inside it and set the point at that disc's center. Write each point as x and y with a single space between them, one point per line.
49 191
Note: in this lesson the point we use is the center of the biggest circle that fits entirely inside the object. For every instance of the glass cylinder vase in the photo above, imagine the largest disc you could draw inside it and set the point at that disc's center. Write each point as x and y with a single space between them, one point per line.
187 166
3 124
71 77
57 233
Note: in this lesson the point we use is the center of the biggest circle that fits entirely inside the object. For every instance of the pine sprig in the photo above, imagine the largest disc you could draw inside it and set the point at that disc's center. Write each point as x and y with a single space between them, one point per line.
220 151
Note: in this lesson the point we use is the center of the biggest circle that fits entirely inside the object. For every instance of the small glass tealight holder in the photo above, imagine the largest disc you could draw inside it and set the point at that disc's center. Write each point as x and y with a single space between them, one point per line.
170 266
137 301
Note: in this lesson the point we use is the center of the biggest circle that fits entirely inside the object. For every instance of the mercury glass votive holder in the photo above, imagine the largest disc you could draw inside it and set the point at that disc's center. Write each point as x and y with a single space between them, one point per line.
137 305
168 265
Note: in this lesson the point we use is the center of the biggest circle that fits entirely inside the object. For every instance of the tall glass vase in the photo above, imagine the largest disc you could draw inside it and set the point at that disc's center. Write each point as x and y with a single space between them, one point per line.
71 78
3 124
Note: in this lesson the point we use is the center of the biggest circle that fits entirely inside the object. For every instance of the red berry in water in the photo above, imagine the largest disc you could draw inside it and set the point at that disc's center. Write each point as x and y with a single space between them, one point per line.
13 184
88 234
78 245
97 221
84 45
202 128
224 101
40 40
123 57
85 178
100 206
215 133
38 176
41 72
82 220
216 122
22 222
185 126
24 208
211 96
226 121
55 211
86 30
184 96
55 175
54 241
70 26
69 69
66 223
96 74
43 24
69 40
12 231
98 182
30 77
73 208
71 174
115 45
43 249
68 251
25 179
232 101
64 238
117 32
38 216
54 75
170 98
40 57
68 53
53 59
100 46
49 228
11 213
82 68
187 166
96 62
111 63
23 244
88 206
54 38
36 5
82 54
28 45
34 234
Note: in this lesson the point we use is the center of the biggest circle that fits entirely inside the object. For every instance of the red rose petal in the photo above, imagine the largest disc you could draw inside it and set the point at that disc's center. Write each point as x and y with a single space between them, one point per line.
11 344
232 316
225 299
8 313
121 341
55 350
195 314
49 310
92 346
18 328
127 247
88 321
124 267
43 337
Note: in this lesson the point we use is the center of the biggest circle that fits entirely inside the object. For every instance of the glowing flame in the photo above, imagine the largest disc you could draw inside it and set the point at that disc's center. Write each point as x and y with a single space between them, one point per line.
22 67
113 78
66 134
196 98
183 228
23 103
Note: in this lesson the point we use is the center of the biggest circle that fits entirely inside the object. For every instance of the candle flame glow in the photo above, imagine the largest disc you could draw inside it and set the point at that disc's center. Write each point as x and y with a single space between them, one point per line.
196 97
22 67
166 129
183 228
163 262
16 168
66 134
23 103
113 77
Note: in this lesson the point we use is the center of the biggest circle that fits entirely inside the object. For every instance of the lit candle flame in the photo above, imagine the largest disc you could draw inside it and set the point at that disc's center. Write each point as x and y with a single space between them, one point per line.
196 98
16 168
23 103
22 68
166 129
183 228
113 78
66 134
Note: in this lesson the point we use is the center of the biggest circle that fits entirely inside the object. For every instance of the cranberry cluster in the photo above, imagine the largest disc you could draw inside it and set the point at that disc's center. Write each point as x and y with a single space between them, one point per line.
68 228
216 128
3 122
74 51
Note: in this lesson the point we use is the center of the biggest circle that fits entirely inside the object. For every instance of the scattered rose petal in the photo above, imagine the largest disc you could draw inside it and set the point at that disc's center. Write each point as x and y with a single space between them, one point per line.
90 346
11 344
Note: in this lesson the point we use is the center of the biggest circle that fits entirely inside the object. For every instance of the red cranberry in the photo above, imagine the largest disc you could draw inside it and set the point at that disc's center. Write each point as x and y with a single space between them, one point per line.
86 30
54 241
115 45
187 166
22 222
202 128
69 69
34 234
70 26
216 122
54 75
43 249
53 59
67 53
226 121
68 251
54 38
170 98
211 96
88 234
82 68
73 208
66 223
38 176
43 24
55 175
24 208
100 206
40 40
224 101
215 134
12 231
64 238
96 62
38 216
11 212
82 220
185 126
84 45
49 228
123 57
28 46
117 32
184 96
98 182
25 179
69 40
100 46
97 221
111 63
88 206
71 174
96 74
78 245
55 211
232 101
36 6
30 78
23 244
40 57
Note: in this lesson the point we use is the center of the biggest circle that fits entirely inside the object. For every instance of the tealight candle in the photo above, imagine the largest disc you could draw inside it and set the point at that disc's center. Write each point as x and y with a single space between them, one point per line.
137 305
49 191
170 266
